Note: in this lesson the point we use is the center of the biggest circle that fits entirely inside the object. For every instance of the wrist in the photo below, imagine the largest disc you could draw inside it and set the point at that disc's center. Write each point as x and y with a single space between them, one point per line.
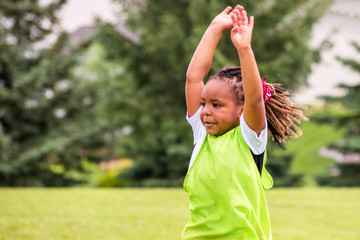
244 50
216 27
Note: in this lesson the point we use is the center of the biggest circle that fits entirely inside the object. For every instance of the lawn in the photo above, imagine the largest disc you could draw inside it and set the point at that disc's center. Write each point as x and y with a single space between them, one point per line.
130 214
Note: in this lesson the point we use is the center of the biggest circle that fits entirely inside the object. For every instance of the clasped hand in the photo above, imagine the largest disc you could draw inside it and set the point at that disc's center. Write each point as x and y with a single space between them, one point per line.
237 21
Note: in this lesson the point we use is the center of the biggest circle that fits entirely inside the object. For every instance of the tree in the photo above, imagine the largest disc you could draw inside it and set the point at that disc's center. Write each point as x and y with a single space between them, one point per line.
348 146
45 126
149 94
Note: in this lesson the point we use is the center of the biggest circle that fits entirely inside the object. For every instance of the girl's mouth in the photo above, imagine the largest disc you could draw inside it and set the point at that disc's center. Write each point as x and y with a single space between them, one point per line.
208 124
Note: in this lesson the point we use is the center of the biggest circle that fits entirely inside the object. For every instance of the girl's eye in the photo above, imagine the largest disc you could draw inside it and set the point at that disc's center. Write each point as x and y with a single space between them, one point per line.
202 104
216 105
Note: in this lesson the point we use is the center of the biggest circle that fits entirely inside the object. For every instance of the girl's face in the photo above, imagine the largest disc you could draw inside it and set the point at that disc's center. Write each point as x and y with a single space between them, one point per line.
219 112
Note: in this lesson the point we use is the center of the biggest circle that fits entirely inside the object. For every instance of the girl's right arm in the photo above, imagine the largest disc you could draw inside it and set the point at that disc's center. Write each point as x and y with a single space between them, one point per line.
201 61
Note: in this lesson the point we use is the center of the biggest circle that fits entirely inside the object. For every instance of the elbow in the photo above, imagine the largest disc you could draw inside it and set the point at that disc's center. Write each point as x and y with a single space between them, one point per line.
256 105
254 102
190 76
193 77
254 98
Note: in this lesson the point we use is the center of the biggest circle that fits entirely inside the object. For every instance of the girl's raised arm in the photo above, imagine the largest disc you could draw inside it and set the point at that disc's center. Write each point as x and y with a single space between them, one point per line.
254 107
201 61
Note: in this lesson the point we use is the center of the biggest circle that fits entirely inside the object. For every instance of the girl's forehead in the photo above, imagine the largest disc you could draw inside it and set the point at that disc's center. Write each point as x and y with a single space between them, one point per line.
218 89
217 84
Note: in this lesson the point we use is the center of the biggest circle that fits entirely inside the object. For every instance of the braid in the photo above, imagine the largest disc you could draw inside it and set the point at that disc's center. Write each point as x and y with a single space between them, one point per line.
282 115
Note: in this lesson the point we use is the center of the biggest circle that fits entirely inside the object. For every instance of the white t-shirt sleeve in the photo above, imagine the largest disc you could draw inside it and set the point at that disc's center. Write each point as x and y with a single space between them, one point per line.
256 143
199 132
198 128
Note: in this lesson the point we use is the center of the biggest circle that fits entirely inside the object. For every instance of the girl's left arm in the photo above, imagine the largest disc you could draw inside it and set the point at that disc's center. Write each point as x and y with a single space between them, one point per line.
254 107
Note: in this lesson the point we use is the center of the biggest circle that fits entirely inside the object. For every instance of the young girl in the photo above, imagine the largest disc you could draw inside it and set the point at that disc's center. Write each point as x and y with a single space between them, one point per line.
230 117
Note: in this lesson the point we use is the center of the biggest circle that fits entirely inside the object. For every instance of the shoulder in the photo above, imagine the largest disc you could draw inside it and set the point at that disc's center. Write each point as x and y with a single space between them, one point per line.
257 144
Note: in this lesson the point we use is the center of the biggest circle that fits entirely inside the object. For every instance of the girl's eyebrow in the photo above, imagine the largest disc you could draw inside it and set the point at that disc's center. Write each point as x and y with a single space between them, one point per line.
214 100
211 99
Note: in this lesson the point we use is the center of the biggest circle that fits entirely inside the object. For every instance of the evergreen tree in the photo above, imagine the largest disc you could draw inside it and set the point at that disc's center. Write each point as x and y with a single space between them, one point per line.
149 94
349 145
44 125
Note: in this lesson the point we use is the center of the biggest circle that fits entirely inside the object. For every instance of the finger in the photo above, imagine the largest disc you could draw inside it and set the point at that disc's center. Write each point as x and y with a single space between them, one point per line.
234 30
227 10
251 24
238 16
234 20
244 18
238 7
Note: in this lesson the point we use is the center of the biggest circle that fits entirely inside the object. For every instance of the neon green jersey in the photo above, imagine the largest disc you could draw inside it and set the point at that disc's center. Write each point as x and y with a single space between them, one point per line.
226 191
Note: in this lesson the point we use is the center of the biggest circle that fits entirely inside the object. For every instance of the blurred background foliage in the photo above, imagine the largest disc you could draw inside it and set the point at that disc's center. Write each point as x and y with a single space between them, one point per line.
116 98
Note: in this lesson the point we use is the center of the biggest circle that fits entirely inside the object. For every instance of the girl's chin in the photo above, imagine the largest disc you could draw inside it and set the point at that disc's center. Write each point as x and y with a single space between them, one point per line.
216 131
213 132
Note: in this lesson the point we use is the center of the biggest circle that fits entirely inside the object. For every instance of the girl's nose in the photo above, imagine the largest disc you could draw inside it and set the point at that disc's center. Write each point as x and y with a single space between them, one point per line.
205 110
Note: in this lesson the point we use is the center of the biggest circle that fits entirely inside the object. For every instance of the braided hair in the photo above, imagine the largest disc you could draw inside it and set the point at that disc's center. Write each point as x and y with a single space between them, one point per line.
283 117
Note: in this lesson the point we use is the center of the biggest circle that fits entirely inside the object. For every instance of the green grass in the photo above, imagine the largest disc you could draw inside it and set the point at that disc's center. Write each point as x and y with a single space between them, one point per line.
315 213
91 214
130 214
